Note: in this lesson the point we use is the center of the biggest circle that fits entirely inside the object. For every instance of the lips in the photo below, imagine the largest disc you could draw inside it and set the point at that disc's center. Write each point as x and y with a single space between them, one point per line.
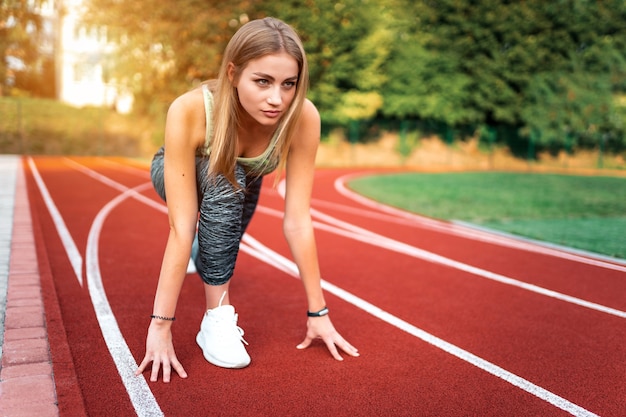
272 114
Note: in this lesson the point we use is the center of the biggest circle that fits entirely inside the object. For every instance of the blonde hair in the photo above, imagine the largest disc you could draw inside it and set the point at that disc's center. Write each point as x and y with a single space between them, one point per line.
253 40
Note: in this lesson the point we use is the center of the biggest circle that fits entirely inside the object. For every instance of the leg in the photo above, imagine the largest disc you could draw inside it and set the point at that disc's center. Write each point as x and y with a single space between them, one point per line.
219 233
253 190
158 178
156 173
214 293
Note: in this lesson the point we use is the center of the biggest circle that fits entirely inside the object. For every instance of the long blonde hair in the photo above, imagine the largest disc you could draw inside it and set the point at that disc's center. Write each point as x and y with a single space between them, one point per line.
253 40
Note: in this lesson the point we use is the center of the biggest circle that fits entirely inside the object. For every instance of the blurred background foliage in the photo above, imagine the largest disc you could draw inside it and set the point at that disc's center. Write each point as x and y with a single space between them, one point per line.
533 74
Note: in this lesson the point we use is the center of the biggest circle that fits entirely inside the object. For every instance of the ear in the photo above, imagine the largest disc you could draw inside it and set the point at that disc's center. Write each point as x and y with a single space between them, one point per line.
230 71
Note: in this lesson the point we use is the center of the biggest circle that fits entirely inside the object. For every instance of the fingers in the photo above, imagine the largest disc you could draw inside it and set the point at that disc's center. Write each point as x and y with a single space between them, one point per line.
154 375
166 365
306 343
343 345
178 367
142 366
333 349
324 330
348 348
332 344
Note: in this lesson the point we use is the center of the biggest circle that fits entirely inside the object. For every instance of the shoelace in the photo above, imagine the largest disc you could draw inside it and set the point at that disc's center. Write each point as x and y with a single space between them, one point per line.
230 327
240 331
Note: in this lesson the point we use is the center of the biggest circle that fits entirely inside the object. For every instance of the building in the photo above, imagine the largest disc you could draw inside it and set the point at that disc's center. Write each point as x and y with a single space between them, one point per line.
81 55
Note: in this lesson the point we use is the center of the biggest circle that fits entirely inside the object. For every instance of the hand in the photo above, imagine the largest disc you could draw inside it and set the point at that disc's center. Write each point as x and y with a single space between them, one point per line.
322 328
160 351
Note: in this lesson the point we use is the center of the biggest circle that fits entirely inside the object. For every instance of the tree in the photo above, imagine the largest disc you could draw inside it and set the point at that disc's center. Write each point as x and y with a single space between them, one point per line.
449 55
455 63
163 52
485 62
346 45
21 63
573 100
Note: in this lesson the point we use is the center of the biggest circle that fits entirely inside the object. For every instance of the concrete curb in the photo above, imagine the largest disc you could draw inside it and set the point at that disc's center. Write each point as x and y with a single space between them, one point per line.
26 377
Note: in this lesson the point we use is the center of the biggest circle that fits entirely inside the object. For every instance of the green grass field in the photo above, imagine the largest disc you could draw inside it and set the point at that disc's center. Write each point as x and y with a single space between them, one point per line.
583 212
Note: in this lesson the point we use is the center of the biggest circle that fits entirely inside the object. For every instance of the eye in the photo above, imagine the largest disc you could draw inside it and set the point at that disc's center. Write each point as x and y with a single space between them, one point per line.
289 84
262 82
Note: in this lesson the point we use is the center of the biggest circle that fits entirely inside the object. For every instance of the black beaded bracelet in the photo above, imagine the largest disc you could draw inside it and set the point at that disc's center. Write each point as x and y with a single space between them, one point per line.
320 313
162 318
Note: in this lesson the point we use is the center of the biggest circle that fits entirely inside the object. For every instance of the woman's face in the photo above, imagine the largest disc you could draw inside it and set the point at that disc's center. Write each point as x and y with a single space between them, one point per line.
267 86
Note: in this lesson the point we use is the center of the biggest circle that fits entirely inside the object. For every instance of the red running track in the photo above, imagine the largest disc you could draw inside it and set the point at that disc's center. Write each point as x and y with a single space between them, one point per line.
449 321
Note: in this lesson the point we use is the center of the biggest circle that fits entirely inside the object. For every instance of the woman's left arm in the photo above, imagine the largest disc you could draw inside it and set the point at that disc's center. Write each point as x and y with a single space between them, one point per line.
298 229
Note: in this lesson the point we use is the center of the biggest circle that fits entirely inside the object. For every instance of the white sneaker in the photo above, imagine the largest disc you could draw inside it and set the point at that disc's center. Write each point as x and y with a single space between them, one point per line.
221 340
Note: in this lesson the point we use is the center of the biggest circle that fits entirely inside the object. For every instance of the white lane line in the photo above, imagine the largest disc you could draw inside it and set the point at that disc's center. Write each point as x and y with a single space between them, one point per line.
265 254
140 393
76 259
138 390
474 233
367 236
566 252
113 184
357 233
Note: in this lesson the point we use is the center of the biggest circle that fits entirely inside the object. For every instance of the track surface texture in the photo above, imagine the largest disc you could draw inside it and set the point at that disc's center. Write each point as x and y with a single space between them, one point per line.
449 321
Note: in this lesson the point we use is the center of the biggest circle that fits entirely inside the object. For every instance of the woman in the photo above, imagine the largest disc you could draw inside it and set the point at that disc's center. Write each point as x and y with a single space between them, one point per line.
252 120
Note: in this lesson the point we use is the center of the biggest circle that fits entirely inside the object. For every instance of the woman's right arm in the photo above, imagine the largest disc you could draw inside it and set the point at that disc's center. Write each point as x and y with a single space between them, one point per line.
181 142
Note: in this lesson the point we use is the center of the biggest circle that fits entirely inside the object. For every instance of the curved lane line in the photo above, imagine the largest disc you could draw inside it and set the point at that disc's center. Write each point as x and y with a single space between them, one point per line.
138 390
475 233
360 234
471 231
74 256
366 236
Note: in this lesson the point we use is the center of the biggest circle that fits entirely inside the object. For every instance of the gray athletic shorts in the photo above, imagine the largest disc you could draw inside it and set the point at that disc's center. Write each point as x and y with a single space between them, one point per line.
224 216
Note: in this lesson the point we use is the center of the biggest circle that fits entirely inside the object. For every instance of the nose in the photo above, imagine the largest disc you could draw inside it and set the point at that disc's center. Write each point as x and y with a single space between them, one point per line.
275 98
